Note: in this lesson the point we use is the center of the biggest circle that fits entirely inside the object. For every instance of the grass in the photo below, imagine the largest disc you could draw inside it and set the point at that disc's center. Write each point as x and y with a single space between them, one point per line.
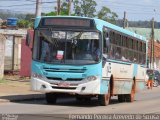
3 81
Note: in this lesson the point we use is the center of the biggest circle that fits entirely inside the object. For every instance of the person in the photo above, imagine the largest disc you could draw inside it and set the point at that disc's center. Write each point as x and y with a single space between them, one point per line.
96 51
45 51
150 80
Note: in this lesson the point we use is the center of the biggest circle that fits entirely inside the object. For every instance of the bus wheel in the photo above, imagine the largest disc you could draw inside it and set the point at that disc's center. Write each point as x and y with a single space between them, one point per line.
104 99
51 98
130 97
121 98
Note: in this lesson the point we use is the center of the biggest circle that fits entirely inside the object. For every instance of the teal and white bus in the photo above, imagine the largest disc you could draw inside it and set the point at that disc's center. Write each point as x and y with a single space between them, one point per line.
87 57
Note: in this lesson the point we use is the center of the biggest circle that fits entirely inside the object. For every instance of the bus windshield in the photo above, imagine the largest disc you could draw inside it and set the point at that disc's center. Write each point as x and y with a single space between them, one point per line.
67 47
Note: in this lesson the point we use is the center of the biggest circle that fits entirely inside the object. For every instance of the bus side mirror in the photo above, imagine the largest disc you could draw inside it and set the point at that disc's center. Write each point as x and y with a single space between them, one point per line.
28 39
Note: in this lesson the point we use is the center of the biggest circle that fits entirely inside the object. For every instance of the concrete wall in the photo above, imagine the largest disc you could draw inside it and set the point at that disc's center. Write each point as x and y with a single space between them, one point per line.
2 51
13 53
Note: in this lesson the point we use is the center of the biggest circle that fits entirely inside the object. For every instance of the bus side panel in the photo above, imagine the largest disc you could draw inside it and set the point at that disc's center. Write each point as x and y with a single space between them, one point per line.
140 78
104 85
122 77
105 82
122 87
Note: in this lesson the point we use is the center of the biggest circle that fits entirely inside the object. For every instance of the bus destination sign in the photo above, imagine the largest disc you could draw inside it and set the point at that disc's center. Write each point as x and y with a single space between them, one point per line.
72 22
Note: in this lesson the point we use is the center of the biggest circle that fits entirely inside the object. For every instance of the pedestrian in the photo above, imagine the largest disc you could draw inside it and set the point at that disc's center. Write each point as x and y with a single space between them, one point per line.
150 80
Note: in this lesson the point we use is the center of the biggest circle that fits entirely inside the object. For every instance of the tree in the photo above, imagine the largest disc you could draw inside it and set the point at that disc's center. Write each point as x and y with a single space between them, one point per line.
51 14
107 15
85 8
29 17
64 10
24 24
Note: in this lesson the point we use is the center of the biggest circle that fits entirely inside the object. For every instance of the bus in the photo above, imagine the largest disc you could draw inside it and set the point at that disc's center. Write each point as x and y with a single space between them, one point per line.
86 57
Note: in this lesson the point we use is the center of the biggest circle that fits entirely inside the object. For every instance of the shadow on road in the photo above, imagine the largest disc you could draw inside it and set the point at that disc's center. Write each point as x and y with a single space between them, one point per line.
68 100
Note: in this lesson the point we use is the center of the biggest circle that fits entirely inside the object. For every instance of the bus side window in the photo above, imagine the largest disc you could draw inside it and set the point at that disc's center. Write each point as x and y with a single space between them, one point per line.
106 42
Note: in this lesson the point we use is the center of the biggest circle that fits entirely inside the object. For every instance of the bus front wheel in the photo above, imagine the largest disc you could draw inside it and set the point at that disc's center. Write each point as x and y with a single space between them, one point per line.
104 99
51 98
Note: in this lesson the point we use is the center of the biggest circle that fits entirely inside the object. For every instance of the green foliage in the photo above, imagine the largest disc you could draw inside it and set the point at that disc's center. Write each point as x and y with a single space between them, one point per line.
85 8
24 24
64 8
107 15
3 81
51 14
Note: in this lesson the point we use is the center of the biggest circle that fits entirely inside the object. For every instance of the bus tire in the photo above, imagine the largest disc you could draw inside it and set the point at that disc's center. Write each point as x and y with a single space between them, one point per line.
51 98
104 99
121 98
130 97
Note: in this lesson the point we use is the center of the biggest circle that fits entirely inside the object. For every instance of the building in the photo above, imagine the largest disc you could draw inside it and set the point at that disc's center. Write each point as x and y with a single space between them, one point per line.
12 54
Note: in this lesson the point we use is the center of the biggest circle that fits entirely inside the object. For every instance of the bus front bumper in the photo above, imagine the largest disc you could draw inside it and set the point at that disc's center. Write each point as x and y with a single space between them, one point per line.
91 87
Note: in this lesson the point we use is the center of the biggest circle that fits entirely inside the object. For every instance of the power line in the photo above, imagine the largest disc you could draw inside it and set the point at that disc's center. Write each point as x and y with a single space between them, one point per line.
140 5
26 4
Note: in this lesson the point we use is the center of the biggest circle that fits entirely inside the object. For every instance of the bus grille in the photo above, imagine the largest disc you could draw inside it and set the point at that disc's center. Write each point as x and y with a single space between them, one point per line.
64 70
68 79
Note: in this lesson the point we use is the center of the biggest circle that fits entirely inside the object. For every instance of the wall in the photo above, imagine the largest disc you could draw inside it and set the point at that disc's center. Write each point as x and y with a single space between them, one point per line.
13 53
2 50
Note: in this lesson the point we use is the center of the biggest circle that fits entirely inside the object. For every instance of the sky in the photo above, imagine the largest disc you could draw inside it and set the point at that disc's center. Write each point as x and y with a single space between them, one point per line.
135 9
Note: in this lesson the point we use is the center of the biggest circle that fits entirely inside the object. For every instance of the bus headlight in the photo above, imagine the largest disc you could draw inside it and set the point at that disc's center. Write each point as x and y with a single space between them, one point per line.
39 76
91 78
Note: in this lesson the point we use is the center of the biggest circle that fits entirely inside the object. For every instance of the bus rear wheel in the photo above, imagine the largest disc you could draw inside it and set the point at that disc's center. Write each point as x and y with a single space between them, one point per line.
51 98
104 99
130 97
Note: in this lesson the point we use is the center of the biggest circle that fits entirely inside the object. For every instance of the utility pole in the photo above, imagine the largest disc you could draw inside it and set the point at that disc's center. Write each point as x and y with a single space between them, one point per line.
58 7
127 24
69 7
124 20
152 40
38 7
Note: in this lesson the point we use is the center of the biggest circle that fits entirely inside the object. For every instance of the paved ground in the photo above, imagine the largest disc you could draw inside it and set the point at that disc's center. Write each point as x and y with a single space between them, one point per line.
146 102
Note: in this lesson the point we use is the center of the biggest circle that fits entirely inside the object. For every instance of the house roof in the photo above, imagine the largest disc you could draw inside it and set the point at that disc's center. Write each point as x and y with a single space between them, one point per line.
146 32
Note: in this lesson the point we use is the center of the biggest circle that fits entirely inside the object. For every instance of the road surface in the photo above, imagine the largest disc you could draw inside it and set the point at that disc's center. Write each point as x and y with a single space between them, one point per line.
146 102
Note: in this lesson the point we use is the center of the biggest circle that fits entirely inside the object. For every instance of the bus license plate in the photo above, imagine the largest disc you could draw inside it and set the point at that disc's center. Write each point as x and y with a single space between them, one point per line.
63 84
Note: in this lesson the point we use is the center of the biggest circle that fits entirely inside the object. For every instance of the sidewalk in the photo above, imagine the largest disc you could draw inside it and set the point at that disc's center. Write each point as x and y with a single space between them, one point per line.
13 88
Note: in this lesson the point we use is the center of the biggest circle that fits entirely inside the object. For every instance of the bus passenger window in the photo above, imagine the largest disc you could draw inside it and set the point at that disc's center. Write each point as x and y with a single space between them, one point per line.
106 43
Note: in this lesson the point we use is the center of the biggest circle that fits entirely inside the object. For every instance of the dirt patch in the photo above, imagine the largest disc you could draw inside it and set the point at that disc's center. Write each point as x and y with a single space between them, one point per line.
12 85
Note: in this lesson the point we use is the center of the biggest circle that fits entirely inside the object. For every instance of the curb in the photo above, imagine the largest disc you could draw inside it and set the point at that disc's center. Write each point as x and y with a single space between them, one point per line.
12 98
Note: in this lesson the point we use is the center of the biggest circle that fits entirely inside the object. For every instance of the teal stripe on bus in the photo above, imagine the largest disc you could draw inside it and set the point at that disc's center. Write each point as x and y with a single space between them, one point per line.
135 70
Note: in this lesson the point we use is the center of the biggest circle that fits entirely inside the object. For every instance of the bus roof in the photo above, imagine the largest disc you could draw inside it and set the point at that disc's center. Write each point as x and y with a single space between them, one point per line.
100 24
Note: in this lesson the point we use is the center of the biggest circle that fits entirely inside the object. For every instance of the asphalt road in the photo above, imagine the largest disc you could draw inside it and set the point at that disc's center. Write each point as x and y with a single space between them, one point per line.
146 102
